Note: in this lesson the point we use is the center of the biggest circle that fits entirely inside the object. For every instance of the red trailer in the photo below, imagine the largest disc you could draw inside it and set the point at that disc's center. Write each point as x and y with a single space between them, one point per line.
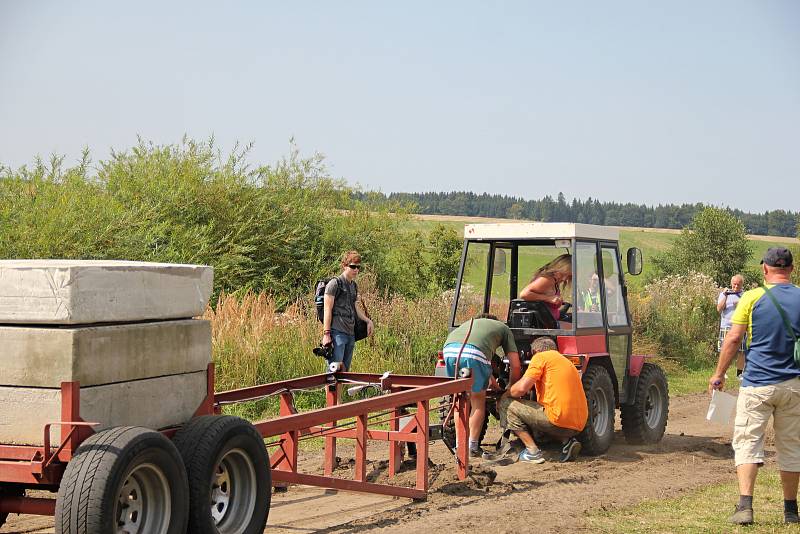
215 473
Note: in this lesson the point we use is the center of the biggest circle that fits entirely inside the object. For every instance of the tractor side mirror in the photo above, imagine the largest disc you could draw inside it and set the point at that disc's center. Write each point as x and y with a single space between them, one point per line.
499 266
634 257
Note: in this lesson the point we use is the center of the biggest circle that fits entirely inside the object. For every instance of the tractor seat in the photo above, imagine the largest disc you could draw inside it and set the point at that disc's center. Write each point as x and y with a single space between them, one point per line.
530 314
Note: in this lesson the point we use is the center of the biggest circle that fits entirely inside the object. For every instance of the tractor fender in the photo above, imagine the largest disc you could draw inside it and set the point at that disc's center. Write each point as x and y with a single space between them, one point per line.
637 361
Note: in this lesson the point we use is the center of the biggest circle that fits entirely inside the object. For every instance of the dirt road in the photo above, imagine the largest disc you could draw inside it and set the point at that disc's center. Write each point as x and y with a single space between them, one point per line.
502 498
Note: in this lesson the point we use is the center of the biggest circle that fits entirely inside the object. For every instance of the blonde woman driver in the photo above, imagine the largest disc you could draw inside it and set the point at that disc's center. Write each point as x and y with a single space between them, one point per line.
548 283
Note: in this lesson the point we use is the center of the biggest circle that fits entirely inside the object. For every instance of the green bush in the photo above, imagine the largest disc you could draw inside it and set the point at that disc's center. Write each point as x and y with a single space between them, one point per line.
677 315
273 228
714 243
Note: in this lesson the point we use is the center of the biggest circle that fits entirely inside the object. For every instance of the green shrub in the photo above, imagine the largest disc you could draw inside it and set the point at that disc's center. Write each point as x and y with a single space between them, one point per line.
677 315
714 243
274 228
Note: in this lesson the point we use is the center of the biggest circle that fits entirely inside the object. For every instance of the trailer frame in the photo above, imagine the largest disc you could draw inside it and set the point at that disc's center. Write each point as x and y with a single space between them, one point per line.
42 467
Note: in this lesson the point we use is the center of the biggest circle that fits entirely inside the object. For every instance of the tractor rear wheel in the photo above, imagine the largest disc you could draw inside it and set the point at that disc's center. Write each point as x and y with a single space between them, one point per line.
645 420
598 433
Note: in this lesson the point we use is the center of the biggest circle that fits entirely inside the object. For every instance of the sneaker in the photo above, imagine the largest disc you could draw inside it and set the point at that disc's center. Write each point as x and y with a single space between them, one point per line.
531 457
742 516
790 517
570 450
477 452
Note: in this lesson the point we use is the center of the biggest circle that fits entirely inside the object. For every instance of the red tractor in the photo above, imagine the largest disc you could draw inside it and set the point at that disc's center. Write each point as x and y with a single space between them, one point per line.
594 330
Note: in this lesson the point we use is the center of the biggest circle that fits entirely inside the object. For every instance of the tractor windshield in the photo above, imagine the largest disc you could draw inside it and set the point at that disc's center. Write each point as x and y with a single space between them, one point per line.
495 273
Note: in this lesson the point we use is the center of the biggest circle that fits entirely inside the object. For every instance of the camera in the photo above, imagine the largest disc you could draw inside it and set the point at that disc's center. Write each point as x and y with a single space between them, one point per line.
324 351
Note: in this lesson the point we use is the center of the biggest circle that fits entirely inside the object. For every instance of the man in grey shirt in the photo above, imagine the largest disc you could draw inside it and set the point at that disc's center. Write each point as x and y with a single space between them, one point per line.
340 310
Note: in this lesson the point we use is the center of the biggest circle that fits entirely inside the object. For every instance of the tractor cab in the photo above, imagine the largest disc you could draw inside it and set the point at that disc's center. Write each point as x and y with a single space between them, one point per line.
590 322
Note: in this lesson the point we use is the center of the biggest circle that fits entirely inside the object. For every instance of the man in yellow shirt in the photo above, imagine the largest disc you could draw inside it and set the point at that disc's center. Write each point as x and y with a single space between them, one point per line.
560 408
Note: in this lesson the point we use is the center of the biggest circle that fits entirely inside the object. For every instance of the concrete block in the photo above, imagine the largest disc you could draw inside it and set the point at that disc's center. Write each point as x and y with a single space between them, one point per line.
95 355
100 291
154 403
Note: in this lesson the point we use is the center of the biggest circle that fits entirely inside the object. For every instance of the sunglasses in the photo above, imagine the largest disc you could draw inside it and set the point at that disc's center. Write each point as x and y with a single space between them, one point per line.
354 266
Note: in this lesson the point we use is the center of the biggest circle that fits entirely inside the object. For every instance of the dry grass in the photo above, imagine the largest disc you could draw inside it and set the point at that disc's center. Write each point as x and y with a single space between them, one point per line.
254 344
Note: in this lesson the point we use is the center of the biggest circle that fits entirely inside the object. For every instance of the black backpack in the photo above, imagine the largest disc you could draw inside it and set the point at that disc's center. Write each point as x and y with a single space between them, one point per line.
319 296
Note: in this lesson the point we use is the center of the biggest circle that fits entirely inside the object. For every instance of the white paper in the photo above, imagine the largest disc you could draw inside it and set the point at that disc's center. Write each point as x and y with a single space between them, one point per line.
721 408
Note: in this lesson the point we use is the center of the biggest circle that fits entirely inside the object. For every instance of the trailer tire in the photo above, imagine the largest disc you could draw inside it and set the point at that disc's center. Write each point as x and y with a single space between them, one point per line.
124 476
9 490
598 433
645 420
230 484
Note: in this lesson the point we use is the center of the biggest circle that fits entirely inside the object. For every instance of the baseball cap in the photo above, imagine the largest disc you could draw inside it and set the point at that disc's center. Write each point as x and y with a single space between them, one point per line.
778 257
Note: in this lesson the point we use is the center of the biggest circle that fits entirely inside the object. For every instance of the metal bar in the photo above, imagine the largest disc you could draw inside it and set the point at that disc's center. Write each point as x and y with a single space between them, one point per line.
395 381
71 411
347 485
207 406
361 448
19 452
394 450
254 392
22 473
281 425
377 435
331 399
462 435
421 418
289 445
27 505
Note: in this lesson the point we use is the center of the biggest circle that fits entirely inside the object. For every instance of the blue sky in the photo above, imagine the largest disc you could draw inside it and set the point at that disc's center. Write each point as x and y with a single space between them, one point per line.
644 102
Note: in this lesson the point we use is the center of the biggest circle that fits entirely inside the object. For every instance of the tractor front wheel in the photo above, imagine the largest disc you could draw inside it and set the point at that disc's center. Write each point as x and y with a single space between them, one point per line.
598 433
645 420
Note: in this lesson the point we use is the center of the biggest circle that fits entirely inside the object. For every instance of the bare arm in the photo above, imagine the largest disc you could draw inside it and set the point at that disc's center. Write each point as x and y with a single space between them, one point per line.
516 367
723 298
542 289
730 346
521 387
327 318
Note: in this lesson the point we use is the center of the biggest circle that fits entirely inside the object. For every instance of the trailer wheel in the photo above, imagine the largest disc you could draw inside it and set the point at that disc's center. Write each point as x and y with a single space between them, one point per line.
9 490
596 437
229 475
645 420
124 479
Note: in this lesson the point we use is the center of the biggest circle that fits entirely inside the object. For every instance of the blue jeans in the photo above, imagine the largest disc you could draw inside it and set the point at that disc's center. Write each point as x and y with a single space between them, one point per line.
343 345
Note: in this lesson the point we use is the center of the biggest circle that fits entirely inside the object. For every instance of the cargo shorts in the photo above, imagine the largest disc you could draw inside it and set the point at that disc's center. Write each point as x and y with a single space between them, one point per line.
754 407
529 416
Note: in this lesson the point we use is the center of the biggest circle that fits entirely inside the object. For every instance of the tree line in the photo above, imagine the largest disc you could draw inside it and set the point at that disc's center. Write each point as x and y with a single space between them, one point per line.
591 211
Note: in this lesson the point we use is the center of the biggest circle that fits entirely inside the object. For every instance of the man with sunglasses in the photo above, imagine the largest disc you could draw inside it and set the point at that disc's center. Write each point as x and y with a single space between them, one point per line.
338 324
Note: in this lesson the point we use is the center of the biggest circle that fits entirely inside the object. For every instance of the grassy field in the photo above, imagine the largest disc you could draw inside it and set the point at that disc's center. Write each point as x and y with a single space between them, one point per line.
702 511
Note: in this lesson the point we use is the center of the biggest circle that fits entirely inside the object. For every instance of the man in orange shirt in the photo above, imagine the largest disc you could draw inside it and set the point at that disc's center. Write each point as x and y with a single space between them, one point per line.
561 410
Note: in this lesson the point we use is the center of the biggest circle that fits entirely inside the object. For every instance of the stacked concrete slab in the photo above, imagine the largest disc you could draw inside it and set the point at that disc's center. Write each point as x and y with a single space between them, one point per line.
124 330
